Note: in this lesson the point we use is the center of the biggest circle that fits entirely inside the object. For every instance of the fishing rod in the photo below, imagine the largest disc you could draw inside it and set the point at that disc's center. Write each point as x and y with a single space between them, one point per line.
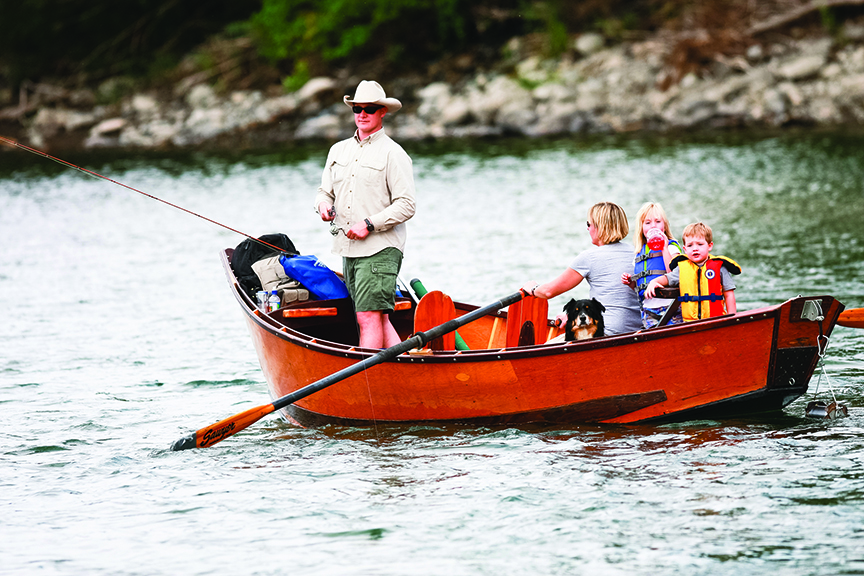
11 142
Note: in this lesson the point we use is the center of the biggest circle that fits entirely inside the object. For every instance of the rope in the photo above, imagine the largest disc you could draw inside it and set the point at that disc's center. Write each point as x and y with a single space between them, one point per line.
822 346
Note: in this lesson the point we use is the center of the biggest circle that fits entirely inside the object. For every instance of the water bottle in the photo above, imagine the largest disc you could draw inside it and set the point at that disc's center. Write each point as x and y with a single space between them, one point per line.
275 302
656 239
263 302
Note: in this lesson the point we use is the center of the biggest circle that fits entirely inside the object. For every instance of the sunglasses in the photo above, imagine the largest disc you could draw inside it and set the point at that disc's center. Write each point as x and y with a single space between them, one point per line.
371 109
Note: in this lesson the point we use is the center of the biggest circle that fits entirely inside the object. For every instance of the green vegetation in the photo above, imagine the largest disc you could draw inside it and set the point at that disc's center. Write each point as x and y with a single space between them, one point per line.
97 39
337 29
256 43
91 40
409 32
829 20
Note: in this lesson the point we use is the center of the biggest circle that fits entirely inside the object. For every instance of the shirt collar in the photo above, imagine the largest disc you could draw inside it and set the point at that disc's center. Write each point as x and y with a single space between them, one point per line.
370 138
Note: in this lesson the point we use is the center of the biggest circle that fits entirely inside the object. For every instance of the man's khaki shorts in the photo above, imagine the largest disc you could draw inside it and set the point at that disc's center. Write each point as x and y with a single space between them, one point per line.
371 280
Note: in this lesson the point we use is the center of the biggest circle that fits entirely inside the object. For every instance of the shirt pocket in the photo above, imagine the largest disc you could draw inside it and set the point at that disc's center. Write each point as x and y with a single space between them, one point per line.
372 173
338 171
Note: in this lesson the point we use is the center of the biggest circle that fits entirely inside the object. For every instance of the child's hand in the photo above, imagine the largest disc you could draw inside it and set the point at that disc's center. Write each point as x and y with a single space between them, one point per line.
652 286
625 279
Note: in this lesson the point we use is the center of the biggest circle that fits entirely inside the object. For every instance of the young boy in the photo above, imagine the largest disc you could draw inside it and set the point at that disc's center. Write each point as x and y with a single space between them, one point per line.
705 280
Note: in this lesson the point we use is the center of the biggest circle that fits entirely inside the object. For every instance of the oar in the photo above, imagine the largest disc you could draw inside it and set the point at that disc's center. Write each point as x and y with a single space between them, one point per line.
210 435
852 318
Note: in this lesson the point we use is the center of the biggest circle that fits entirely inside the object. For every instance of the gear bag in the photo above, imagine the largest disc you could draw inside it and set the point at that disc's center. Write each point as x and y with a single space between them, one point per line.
272 276
315 276
248 252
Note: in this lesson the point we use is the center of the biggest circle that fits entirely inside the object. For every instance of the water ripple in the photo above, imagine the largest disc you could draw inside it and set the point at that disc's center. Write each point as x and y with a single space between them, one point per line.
119 336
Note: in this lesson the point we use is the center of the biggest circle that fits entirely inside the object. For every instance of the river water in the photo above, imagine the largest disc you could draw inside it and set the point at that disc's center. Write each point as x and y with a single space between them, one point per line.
118 335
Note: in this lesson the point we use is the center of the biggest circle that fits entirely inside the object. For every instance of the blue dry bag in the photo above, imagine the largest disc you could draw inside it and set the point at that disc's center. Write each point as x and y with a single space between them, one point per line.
315 276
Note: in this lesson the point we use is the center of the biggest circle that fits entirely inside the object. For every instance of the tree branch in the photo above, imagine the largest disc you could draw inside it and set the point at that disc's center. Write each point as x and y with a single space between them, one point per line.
792 15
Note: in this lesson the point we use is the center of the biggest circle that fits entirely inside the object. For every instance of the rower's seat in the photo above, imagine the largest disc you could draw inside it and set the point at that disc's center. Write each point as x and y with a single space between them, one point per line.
434 309
527 322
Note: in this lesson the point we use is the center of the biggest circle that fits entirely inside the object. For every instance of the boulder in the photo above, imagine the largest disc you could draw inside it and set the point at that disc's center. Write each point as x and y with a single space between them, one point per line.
202 96
327 126
853 31
275 108
315 87
487 100
802 67
204 123
434 98
52 120
589 43
151 135
144 105
109 126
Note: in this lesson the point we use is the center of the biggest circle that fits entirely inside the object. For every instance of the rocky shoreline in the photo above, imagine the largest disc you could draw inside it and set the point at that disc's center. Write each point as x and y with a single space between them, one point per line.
815 81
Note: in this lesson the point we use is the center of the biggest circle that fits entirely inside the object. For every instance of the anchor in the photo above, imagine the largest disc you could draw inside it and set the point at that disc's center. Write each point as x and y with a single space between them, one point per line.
818 408
828 411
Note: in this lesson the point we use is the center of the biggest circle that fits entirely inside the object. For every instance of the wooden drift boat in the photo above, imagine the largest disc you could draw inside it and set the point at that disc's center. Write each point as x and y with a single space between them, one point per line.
753 361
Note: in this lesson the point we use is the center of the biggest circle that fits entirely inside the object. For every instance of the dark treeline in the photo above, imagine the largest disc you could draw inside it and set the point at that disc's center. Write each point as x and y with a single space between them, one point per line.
87 41
92 38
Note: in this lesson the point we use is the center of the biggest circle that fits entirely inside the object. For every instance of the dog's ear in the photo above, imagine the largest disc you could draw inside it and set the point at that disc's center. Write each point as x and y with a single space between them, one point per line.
570 307
599 305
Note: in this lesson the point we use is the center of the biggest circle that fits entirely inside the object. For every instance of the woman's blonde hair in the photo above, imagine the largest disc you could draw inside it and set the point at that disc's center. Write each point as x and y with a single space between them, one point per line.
639 240
610 221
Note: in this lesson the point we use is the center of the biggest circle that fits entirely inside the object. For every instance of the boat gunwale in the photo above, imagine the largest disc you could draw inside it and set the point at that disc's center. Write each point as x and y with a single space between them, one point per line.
293 336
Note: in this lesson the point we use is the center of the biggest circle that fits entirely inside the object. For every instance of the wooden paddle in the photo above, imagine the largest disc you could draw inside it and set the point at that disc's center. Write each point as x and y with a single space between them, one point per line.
210 435
421 291
435 308
852 318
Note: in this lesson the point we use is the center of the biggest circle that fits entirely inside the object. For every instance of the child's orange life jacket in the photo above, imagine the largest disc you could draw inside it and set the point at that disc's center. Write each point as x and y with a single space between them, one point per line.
701 288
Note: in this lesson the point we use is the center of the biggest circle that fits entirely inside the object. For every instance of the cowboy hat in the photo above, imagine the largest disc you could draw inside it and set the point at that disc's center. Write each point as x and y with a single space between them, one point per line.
370 92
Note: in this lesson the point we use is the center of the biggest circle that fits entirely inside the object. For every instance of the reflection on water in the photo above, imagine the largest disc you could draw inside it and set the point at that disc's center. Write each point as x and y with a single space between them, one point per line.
119 336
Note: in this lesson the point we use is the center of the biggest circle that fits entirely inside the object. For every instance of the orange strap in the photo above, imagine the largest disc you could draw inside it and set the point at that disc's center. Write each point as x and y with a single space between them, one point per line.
308 312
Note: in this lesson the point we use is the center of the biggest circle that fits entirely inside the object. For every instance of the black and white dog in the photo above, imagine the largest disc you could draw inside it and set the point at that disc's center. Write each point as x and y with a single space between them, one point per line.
584 319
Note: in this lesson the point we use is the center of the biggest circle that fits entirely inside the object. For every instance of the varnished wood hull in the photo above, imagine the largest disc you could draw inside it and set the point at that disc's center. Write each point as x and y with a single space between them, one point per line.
754 361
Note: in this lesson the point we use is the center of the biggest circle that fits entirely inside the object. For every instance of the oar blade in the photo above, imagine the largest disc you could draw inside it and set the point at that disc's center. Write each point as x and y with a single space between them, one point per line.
206 437
852 318
230 426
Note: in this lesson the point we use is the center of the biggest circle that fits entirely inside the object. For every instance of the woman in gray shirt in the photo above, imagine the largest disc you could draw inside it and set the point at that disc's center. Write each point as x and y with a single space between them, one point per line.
602 267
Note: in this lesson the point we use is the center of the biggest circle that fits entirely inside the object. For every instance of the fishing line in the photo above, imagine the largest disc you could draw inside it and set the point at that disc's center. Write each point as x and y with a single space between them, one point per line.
371 404
97 175
62 162
369 391
366 372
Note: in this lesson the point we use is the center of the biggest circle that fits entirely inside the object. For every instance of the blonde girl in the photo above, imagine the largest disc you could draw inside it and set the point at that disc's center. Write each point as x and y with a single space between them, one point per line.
649 264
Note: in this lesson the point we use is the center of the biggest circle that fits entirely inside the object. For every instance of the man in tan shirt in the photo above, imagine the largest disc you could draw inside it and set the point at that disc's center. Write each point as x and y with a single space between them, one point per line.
367 192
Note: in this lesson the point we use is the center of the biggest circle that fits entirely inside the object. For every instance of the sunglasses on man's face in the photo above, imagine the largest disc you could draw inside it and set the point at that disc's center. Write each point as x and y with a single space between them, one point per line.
371 109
